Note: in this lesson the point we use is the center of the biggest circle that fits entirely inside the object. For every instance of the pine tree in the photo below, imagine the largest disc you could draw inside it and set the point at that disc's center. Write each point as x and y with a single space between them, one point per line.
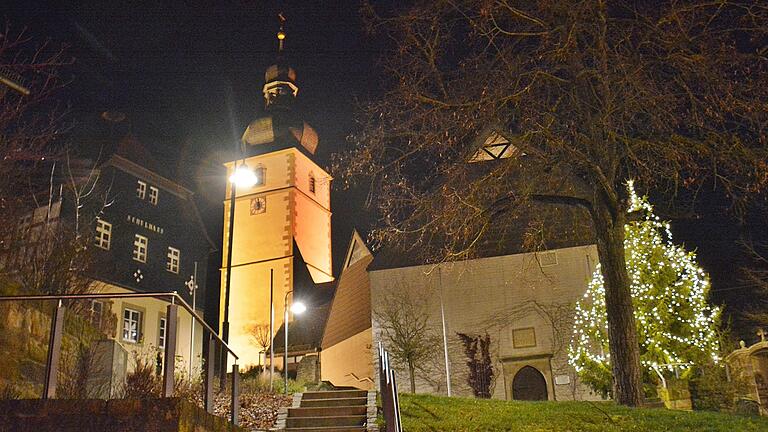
676 327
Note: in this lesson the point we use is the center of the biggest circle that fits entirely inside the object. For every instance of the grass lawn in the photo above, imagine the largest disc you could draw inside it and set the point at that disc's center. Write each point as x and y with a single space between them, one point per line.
432 413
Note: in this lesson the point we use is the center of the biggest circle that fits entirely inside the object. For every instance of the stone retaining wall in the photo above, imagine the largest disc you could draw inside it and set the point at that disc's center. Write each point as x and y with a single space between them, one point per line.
157 415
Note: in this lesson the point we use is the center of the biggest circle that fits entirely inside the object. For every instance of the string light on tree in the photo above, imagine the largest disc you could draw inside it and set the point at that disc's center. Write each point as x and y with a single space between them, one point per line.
676 327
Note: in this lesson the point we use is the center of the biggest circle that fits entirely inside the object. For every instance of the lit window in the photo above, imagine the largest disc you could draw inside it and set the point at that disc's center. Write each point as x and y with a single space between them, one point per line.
161 334
103 234
153 194
312 183
173 260
141 190
140 248
131 325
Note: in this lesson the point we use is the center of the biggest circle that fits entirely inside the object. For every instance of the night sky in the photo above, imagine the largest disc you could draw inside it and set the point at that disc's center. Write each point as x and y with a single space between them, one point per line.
188 76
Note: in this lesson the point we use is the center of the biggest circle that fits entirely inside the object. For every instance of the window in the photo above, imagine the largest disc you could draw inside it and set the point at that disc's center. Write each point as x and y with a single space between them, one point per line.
261 175
103 234
496 146
161 334
97 309
173 260
141 190
312 183
140 244
153 195
131 325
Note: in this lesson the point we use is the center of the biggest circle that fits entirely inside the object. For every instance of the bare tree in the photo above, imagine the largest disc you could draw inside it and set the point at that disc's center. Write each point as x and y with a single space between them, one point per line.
755 277
404 322
31 119
51 249
587 94
261 335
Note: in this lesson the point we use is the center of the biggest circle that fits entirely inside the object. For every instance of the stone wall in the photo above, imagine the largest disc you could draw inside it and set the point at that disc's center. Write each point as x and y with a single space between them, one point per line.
24 338
160 415
524 302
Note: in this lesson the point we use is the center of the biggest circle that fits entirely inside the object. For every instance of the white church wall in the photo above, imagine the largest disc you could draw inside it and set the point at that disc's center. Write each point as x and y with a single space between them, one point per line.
504 297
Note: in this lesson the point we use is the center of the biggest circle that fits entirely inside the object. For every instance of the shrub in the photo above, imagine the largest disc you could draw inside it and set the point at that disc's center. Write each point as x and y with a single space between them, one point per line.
142 382
712 391
293 385
9 391
79 373
477 350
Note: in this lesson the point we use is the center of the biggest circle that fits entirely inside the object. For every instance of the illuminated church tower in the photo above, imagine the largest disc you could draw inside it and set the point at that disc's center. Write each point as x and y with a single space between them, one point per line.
283 223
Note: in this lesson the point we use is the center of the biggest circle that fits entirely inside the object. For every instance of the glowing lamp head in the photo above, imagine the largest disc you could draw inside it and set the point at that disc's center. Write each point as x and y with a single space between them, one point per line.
243 177
281 35
298 308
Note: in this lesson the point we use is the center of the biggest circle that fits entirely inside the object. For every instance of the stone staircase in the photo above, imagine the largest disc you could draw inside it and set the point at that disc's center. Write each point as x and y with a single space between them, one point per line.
330 411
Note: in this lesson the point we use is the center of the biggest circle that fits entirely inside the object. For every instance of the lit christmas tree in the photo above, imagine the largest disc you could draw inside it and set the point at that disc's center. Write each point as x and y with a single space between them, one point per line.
675 325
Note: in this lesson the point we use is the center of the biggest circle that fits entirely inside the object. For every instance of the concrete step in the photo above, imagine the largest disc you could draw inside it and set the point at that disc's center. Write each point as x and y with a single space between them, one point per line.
347 420
327 411
333 402
328 429
334 394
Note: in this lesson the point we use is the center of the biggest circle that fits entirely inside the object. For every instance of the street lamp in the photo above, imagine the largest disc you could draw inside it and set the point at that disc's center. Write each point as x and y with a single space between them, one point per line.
297 308
245 178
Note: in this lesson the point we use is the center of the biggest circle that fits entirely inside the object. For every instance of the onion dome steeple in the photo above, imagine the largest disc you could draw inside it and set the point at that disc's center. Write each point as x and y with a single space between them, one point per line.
280 87
281 127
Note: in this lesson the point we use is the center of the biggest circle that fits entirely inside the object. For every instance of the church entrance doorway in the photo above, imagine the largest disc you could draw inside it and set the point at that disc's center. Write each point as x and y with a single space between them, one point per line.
529 384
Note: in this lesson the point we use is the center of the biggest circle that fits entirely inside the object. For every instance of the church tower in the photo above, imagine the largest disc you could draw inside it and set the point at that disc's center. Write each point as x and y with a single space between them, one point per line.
282 224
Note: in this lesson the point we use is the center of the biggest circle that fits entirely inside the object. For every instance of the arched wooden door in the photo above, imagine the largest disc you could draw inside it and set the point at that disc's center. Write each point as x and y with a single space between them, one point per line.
529 384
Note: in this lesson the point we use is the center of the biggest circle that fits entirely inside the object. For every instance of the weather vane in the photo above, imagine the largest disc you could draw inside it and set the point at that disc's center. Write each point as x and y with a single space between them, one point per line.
281 32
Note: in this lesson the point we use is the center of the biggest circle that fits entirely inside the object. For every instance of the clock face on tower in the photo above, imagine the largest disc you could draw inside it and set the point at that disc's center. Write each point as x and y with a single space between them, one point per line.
258 205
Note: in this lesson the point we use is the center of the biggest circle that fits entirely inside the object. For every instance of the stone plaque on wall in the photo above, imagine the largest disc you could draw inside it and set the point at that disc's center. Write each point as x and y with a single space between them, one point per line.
524 337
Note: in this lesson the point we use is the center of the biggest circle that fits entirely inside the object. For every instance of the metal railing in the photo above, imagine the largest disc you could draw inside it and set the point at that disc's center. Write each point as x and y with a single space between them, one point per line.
174 299
390 402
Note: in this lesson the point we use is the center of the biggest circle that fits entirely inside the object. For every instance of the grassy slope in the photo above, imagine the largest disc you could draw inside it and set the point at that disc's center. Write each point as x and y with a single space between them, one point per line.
431 413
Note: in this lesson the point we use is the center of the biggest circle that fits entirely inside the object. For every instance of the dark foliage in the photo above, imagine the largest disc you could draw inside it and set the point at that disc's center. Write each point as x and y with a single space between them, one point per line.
477 350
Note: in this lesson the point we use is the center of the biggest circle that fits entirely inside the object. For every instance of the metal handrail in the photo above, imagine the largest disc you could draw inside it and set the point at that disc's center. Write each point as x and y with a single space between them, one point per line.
390 399
57 327
175 295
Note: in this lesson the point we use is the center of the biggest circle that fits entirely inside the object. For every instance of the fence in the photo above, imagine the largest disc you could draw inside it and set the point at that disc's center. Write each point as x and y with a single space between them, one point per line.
174 299
390 402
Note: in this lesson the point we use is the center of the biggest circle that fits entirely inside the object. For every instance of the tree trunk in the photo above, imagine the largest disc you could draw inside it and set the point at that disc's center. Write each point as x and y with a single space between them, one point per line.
622 330
412 376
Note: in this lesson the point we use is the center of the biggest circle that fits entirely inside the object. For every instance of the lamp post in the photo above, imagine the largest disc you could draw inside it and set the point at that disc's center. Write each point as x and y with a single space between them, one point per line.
297 308
244 178
192 287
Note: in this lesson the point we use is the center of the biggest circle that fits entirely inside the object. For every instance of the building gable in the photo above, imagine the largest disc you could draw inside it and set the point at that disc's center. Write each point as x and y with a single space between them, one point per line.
351 307
357 250
495 145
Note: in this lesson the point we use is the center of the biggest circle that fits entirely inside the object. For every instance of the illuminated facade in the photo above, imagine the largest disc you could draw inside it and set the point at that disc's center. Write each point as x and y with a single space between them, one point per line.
282 225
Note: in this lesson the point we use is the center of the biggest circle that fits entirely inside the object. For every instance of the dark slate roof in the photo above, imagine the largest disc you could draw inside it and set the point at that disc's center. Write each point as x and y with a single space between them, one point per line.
306 331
